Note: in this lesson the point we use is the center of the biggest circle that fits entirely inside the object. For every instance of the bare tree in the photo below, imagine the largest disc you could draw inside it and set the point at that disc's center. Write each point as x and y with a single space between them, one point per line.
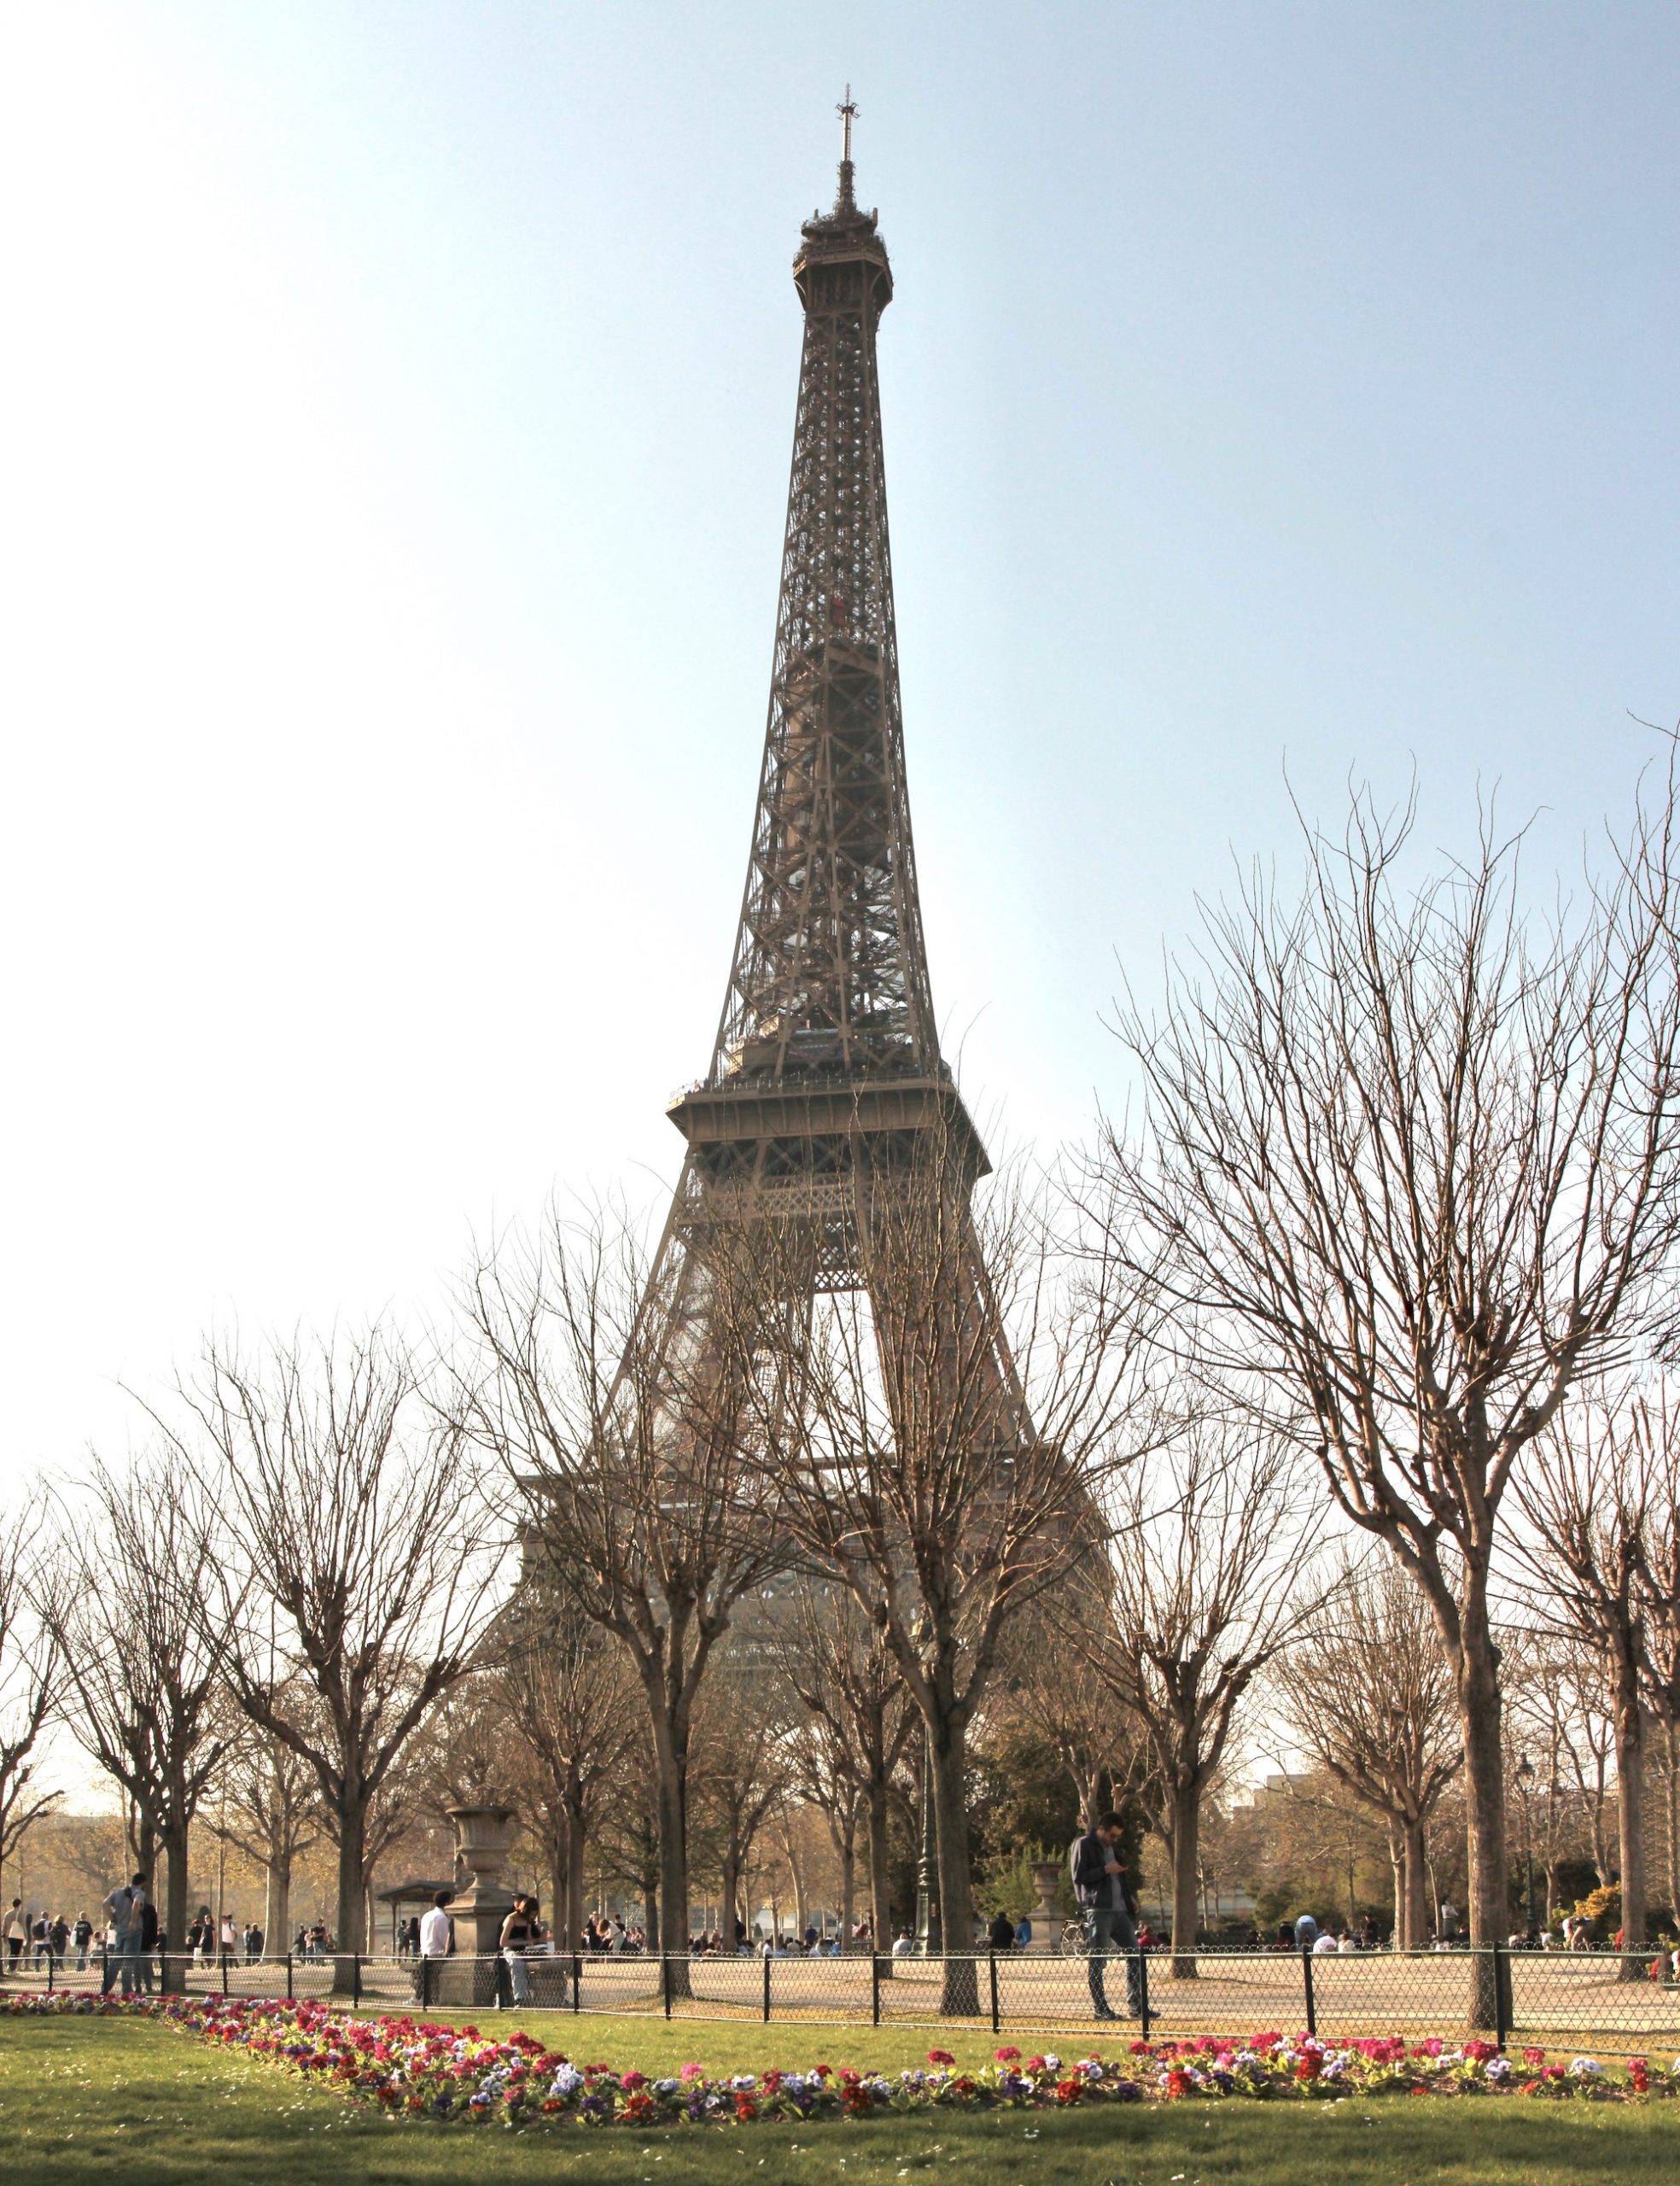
572 1698
624 1436
1654 1426
144 1656
1585 1494
858 1717
270 1812
1206 1586
740 1772
1370 1697
1558 1704
1408 1158
30 1671
360 1551
941 1443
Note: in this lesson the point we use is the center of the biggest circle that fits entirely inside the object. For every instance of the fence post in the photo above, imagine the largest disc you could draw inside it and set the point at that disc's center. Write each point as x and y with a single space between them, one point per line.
52 1960
288 1976
425 1985
224 1979
104 1968
991 1970
1503 2010
1307 1982
1144 2013
355 1980
875 1985
577 1982
665 1981
767 1989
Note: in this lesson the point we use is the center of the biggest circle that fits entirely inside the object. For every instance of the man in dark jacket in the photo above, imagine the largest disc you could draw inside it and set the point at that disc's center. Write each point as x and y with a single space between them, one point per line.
1103 1889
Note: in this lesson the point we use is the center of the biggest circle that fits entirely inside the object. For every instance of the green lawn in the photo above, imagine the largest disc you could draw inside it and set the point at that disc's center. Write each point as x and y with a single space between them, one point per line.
79 2098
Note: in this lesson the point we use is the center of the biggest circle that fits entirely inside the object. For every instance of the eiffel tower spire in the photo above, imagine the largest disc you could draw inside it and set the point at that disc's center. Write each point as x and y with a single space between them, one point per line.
831 968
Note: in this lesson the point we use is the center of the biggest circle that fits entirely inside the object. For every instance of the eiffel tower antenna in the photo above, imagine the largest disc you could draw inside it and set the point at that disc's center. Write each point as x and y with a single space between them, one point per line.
847 113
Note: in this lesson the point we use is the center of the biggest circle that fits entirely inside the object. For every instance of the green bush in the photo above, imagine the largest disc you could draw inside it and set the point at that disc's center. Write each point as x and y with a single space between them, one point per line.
1005 1885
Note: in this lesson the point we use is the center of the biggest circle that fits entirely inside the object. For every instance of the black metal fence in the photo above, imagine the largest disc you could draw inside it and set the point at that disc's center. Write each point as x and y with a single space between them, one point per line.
1612 2001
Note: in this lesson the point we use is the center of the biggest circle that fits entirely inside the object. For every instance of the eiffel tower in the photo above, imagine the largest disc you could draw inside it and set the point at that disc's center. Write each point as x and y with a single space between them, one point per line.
827 1097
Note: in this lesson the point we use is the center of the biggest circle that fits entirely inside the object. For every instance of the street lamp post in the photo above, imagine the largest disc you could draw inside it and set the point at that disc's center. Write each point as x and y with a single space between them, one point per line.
1525 1786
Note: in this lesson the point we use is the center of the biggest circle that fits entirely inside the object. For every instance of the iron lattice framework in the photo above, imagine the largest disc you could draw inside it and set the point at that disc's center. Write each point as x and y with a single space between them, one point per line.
827 1101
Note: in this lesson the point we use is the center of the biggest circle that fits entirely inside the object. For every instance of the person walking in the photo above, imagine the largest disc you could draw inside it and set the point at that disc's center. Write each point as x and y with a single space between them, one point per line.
125 1908
1103 1889
82 1935
17 1931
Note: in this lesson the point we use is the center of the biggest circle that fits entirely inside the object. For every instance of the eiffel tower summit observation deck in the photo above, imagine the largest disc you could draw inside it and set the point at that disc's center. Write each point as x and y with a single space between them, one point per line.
826 1081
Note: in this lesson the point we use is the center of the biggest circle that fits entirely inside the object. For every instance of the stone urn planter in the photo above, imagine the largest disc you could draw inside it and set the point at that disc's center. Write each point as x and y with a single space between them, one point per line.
1046 1916
482 1837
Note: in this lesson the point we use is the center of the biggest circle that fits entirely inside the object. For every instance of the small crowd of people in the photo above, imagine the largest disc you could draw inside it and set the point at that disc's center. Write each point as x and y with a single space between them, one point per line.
46 1939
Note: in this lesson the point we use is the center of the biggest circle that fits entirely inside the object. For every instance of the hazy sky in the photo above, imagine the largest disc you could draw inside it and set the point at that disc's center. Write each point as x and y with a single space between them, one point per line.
396 404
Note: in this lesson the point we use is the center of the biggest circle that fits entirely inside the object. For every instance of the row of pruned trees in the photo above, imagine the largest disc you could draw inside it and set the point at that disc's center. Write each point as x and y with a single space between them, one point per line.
1399 1202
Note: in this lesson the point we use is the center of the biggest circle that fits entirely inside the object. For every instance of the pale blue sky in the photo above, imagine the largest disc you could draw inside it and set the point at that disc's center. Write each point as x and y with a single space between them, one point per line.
395 419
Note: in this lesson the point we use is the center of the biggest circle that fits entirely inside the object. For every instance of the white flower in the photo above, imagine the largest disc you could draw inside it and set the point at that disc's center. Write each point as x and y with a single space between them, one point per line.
1586 2068
1052 2063
1498 2068
566 2081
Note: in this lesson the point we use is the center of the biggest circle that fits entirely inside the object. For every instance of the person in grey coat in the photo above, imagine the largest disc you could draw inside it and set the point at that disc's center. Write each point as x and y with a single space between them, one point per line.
1103 1889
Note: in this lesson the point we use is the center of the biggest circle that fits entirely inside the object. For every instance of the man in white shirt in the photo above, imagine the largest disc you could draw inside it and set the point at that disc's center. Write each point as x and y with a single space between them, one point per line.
903 1945
1325 1946
434 1928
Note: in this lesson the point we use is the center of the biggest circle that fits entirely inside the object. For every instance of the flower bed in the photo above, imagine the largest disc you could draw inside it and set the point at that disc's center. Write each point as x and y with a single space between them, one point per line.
413 2068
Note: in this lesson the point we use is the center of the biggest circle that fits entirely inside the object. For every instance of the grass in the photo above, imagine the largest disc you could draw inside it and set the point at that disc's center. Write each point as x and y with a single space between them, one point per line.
151 2105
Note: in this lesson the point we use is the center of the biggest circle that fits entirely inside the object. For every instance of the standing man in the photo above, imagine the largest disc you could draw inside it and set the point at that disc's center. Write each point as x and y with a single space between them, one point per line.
1103 1889
17 1928
126 1909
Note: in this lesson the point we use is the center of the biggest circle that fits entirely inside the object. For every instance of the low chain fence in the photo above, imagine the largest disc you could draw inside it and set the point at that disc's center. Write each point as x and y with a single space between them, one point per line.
1619 2002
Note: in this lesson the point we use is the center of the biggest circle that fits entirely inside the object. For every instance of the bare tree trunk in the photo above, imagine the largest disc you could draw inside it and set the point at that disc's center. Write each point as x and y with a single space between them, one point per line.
1671 1744
671 1793
1631 1811
574 1854
350 1921
172 1844
847 1875
1477 1681
278 1907
1187 1824
1397 1861
880 1887
1417 1888
731 1894
961 1993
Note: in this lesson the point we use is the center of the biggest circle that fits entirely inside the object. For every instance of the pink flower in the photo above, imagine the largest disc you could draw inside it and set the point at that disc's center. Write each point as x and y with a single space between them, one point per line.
693 2072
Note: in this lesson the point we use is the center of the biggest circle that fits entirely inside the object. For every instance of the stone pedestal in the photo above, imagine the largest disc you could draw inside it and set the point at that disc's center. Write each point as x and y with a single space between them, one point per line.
1046 1916
482 1836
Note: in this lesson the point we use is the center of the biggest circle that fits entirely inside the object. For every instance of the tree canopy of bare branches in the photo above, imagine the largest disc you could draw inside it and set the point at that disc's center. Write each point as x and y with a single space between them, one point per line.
357 1558
622 1435
30 1671
143 1632
943 1441
1410 1159
1207 1585
1585 1493
1369 1694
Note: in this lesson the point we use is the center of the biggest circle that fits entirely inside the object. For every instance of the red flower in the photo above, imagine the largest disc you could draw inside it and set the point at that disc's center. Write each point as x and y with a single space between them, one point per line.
1069 2089
1006 2056
1178 2081
941 2057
